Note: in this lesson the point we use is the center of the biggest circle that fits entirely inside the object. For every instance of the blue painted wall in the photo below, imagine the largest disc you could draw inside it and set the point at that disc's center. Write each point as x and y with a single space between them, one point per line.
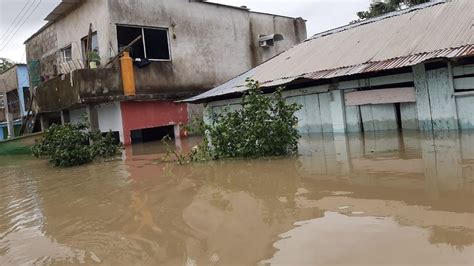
23 81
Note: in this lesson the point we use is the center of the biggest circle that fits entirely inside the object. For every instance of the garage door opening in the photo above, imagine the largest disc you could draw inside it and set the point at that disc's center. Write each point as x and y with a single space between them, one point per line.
151 134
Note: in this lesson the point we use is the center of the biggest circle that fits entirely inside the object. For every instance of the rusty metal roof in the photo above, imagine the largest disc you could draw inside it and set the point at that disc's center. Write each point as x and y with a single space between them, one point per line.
439 29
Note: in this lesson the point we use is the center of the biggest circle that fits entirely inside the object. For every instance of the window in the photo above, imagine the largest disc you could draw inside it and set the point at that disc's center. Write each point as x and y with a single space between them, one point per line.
154 44
66 53
94 45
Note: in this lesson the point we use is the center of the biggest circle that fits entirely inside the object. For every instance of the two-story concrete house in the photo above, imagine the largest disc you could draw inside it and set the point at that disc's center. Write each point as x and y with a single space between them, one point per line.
14 90
186 47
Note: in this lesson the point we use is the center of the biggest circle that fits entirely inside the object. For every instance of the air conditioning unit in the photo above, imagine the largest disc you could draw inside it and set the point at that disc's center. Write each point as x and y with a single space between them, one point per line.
269 40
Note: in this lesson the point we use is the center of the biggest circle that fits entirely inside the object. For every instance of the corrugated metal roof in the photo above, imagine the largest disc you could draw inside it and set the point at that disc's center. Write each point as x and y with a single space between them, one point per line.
438 29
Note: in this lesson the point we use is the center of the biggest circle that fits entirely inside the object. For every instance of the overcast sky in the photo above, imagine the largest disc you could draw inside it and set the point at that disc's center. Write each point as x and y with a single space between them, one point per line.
321 15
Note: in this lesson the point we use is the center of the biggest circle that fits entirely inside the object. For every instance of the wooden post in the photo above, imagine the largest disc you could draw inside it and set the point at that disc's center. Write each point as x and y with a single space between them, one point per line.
88 47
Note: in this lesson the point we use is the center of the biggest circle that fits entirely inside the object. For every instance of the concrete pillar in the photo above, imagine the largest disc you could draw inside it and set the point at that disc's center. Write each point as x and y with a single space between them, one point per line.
422 97
436 104
325 109
338 111
341 144
65 117
442 100
43 123
177 137
92 116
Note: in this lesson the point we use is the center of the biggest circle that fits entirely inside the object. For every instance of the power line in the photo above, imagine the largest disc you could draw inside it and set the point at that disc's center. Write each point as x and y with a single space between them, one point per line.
24 21
14 20
15 25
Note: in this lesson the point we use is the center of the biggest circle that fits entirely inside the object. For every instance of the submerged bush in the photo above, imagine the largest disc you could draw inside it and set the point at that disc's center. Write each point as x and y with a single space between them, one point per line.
75 144
264 125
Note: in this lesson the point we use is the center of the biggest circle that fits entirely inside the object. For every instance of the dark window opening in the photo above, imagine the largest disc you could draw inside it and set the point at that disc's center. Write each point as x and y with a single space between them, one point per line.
126 35
154 44
151 134
436 65
13 103
26 97
53 119
115 136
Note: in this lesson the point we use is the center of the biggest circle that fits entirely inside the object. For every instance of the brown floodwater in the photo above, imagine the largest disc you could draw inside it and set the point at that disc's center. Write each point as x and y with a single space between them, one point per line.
381 198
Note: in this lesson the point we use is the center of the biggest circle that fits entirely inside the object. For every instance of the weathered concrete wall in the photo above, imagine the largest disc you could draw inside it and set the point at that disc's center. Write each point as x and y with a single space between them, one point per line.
76 115
44 48
443 106
435 98
409 116
465 110
140 115
338 111
78 87
75 26
379 117
204 41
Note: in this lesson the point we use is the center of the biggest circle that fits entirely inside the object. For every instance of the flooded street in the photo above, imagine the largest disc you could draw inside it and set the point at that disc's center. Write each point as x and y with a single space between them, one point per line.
382 198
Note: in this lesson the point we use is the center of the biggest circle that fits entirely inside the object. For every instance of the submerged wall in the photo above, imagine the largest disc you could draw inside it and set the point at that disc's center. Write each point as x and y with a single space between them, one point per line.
431 97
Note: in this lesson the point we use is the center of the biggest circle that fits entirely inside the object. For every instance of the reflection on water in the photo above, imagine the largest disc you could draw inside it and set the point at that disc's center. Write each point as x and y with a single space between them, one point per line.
379 198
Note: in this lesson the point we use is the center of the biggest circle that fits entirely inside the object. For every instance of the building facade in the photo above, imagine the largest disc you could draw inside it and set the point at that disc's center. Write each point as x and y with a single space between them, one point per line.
187 47
412 69
14 90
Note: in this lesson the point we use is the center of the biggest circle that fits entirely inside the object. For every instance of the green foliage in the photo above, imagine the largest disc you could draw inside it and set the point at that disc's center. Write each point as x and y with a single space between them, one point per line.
75 144
265 125
93 56
5 64
387 6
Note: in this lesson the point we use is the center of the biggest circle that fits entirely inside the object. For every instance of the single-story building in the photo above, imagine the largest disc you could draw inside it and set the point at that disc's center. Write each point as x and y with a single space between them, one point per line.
410 69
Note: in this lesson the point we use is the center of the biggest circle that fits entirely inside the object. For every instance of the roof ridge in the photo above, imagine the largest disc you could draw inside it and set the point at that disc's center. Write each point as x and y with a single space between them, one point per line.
378 18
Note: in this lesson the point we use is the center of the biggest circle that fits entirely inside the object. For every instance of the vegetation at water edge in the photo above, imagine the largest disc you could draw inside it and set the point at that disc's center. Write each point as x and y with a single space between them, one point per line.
75 144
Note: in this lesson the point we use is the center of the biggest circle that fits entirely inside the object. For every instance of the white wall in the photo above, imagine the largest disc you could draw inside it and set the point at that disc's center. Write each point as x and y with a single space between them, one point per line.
110 118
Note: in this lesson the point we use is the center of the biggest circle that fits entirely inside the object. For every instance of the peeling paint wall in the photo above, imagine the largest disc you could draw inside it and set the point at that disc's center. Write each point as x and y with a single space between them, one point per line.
465 109
443 99
141 115
209 43
44 48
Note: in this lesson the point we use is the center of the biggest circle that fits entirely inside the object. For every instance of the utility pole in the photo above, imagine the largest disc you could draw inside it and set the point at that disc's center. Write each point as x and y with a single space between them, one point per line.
11 132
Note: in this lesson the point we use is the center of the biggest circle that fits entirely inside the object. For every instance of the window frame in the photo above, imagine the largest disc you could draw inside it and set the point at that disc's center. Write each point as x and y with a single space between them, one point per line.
83 43
63 54
144 40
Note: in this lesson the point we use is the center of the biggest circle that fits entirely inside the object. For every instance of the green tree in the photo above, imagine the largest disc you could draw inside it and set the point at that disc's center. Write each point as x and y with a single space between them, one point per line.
75 144
5 64
263 125
378 8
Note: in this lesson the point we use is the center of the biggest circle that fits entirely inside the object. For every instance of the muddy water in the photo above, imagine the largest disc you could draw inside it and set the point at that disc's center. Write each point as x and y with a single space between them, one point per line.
376 199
